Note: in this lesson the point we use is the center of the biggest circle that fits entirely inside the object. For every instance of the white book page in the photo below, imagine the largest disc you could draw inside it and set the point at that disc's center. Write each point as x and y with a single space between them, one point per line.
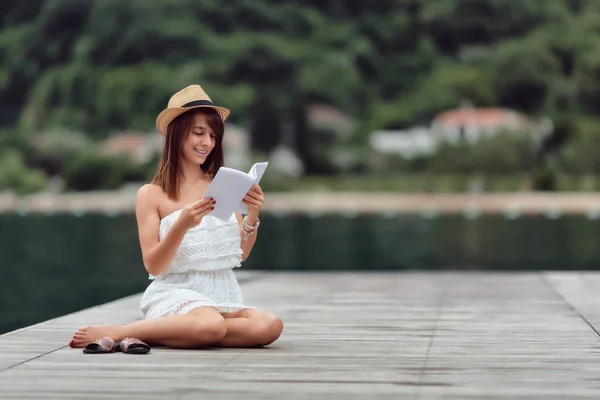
256 172
228 188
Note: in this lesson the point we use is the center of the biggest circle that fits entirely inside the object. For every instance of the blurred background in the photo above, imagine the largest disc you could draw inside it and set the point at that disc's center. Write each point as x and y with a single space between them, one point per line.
454 112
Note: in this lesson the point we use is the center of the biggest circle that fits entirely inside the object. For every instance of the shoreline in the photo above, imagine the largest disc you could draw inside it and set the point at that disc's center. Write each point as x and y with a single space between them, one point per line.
123 202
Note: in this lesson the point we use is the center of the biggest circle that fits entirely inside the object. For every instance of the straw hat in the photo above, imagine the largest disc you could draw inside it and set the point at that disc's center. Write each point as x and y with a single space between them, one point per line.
186 99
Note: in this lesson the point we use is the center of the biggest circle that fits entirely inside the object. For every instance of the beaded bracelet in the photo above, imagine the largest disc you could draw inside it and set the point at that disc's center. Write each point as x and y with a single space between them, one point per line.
248 229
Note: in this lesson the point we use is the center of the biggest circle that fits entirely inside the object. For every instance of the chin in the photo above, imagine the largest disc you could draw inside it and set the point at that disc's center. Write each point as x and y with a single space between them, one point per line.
195 158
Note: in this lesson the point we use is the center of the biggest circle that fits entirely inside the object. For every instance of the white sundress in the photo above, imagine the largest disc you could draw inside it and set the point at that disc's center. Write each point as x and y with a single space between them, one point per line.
201 272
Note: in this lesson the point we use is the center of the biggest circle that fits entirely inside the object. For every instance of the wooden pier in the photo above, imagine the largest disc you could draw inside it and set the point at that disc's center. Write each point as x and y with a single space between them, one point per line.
347 336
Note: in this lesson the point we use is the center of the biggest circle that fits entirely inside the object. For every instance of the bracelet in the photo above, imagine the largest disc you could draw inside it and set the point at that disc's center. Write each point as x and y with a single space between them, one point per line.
247 229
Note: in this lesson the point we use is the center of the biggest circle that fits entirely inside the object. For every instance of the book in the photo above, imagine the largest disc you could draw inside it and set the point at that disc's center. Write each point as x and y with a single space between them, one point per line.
229 186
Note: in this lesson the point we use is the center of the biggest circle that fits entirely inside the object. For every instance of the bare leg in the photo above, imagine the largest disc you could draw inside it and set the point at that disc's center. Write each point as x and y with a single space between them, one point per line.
250 328
202 326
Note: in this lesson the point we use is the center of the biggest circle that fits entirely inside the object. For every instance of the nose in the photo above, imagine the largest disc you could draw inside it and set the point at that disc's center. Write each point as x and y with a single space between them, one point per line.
205 141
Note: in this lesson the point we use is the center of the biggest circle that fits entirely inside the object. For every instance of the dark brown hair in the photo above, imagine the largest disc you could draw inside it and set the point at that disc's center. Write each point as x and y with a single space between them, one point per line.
167 175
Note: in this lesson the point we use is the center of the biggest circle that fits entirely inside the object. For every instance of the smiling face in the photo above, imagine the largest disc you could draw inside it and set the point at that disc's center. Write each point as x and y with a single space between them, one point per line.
194 137
201 134
200 141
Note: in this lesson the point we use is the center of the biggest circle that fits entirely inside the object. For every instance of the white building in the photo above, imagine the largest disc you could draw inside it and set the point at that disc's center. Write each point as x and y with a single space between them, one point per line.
471 124
409 143
465 124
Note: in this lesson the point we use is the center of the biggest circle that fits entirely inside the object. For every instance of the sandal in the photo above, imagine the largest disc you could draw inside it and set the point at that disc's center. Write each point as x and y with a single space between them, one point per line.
132 346
100 346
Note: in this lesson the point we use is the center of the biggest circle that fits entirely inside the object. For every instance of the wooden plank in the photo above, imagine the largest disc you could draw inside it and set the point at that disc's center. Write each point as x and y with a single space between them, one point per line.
581 290
348 335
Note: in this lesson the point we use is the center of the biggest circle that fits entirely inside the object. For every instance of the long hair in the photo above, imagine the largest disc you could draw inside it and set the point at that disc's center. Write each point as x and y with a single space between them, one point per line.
168 172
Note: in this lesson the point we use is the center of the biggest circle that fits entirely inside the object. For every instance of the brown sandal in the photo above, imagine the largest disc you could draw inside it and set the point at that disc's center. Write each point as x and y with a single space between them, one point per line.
100 346
132 346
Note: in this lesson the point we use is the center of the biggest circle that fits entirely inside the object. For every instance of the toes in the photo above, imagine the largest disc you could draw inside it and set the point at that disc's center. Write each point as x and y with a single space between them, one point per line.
79 337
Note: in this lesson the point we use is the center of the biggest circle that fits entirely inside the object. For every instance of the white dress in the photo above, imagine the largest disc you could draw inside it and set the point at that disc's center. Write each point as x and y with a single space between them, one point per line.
201 272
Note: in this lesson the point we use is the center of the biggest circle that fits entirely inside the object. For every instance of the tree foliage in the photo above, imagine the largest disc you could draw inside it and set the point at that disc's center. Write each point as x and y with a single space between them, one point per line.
104 65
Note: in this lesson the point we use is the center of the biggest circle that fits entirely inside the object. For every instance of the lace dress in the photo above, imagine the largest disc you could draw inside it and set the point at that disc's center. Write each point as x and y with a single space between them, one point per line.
201 272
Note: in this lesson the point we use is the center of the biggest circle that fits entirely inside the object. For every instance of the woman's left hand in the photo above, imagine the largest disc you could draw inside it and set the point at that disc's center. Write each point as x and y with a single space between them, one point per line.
254 199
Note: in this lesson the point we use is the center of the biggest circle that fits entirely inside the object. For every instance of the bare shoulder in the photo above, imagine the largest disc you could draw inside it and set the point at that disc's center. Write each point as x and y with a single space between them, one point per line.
148 197
149 191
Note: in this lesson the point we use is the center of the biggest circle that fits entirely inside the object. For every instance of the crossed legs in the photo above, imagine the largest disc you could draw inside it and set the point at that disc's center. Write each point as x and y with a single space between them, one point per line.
201 327
250 328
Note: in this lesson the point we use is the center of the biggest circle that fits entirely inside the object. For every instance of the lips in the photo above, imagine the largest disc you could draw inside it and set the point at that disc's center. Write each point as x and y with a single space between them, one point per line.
203 152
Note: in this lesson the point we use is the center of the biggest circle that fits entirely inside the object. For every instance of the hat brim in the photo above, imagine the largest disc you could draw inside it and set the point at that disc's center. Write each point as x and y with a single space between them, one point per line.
167 115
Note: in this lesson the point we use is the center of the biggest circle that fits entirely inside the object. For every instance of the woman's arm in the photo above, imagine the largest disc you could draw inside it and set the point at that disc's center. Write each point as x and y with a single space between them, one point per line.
247 244
156 253
254 199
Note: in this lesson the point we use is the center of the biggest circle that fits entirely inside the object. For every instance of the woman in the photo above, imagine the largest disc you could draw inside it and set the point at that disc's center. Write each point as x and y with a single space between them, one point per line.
194 300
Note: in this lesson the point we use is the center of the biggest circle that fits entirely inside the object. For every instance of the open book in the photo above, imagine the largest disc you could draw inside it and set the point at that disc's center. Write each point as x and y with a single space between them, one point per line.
229 187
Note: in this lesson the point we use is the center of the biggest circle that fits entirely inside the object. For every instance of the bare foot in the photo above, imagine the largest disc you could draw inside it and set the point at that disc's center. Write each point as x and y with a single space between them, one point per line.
89 334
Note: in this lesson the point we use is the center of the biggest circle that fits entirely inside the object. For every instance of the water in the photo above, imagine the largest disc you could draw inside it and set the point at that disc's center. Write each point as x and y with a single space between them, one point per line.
57 264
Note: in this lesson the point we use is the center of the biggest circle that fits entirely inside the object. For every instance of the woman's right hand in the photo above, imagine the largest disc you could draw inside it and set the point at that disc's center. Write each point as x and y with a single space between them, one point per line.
192 214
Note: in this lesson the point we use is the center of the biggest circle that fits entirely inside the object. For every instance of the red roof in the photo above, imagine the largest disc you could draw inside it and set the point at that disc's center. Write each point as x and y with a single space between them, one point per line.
479 116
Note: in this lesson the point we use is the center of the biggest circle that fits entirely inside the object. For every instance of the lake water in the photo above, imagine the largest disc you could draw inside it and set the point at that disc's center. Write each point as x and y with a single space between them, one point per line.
57 264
